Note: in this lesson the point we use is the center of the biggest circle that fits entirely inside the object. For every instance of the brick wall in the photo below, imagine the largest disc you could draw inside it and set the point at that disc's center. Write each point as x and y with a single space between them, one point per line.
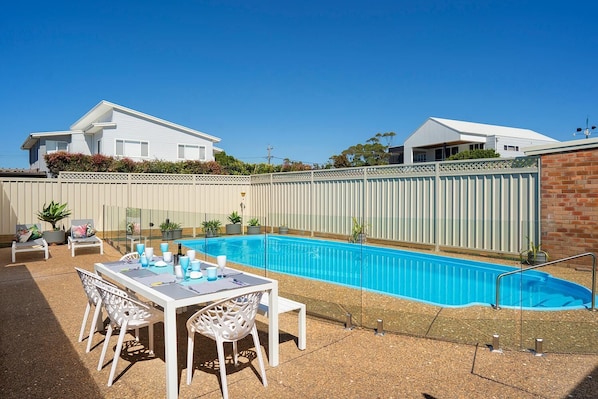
569 213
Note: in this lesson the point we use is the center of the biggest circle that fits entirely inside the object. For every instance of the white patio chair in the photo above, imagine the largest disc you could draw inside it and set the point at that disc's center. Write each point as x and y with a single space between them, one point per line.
88 280
24 243
131 256
125 313
81 237
229 320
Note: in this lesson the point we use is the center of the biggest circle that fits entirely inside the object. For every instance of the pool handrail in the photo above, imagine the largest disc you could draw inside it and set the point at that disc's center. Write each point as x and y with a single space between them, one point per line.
593 308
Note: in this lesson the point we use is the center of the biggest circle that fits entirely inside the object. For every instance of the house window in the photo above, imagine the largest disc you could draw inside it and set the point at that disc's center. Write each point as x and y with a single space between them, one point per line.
420 157
447 151
511 148
53 146
132 148
99 147
479 146
192 152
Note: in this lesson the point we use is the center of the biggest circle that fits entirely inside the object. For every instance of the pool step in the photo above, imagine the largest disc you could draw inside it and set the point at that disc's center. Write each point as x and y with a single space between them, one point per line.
556 301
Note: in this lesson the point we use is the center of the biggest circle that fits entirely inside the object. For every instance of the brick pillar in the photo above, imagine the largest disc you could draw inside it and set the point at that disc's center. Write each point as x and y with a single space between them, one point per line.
569 213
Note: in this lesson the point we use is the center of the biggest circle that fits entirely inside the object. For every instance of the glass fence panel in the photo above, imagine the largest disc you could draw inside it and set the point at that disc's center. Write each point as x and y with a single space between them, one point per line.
322 271
383 285
570 327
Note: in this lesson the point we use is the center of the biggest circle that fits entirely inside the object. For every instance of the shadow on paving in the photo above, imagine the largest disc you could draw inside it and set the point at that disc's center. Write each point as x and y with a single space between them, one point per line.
37 359
587 388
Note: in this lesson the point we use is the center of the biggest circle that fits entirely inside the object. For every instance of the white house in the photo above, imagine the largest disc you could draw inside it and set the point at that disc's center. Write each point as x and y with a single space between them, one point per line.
438 139
113 130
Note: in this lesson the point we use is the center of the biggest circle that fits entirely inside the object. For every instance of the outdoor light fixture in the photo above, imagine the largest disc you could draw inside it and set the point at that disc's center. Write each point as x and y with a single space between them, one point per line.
588 130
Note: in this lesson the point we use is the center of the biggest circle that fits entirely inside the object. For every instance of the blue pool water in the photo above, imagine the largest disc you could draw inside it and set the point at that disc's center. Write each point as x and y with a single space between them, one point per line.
434 279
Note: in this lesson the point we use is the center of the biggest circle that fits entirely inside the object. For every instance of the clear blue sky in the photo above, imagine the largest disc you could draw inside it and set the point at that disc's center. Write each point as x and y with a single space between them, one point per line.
309 78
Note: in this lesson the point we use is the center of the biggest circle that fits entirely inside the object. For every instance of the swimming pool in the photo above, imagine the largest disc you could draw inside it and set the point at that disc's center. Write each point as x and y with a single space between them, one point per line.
434 279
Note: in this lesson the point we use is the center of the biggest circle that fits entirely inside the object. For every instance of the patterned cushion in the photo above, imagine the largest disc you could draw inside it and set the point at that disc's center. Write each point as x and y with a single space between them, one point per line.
35 233
90 231
79 231
23 235
28 233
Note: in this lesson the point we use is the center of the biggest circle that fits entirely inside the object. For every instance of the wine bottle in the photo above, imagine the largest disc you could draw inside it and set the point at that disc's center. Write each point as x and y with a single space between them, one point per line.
179 254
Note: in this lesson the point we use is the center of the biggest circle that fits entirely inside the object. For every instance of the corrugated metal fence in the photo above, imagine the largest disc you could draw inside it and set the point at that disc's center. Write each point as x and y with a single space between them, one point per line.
488 205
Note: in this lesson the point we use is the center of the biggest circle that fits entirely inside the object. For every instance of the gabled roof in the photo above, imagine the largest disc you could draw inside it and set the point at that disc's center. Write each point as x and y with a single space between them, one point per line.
90 121
482 129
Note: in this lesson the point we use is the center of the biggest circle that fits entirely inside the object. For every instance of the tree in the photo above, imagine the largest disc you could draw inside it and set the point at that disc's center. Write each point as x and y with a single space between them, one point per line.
373 152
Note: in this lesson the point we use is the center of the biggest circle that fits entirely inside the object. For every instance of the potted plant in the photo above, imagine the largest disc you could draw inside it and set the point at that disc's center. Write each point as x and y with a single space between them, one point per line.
53 213
171 230
534 254
234 227
253 226
283 229
358 233
211 227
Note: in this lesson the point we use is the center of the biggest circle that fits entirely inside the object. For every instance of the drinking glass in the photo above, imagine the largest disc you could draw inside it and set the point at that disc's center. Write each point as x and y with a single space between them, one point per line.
149 254
184 262
163 247
140 250
221 259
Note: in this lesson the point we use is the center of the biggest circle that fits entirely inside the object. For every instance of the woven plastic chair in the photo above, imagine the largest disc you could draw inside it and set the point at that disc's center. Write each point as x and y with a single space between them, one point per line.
125 313
229 320
88 281
130 257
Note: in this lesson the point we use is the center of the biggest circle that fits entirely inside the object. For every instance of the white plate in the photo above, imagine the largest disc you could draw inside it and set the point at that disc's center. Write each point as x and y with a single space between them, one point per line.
160 263
195 275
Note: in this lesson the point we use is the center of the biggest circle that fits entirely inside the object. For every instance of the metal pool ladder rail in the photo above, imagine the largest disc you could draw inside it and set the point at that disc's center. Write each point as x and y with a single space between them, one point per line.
593 308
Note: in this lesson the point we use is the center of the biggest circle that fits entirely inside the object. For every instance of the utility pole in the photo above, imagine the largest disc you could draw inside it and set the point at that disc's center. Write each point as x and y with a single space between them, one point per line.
269 157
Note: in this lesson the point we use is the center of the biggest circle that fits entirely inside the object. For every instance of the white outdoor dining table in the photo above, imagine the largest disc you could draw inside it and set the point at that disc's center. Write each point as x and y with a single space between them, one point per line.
171 304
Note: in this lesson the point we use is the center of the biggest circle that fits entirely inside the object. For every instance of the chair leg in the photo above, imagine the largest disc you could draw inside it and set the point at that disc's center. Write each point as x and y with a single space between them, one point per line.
258 351
105 347
119 345
84 322
190 343
220 345
235 353
94 323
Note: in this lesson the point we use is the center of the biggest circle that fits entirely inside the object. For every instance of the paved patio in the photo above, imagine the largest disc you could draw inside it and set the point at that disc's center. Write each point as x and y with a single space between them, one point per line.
42 303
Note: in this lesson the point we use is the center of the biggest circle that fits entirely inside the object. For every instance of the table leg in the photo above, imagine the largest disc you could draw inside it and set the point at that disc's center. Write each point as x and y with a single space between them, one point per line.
170 351
273 338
